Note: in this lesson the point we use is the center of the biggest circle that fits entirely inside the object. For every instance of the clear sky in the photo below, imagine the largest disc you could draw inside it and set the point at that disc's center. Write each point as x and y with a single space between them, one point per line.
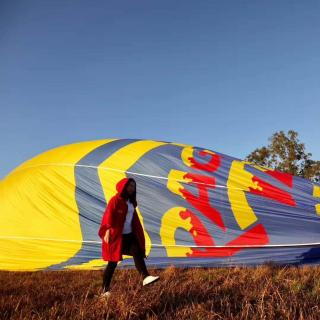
223 75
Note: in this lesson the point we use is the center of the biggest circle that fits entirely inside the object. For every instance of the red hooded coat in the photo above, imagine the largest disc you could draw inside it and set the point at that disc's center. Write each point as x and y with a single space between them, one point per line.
113 219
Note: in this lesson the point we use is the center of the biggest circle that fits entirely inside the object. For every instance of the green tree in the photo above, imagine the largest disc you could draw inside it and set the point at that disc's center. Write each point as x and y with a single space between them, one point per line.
287 154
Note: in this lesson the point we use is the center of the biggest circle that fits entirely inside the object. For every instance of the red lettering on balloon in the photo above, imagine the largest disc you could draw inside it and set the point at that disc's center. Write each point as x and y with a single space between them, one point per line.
201 202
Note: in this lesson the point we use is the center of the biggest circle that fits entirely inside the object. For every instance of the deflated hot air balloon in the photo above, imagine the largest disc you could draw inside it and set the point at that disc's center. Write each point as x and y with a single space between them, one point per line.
197 207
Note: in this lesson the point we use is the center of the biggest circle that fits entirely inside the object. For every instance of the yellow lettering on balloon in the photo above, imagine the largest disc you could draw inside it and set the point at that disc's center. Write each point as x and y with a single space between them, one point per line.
171 220
174 179
186 154
238 183
190 161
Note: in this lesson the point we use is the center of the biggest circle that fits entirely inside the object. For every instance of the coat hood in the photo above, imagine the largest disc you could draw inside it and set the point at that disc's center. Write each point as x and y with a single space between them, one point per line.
121 184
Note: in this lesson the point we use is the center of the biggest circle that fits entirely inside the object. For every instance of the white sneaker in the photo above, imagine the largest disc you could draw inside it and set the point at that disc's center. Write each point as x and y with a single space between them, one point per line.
150 279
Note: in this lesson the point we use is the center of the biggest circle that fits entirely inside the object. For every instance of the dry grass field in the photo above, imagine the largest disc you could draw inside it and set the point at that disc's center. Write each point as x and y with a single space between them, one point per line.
264 292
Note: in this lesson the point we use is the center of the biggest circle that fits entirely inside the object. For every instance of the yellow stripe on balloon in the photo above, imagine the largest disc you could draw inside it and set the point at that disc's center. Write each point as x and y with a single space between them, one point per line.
39 216
122 160
316 194
89 265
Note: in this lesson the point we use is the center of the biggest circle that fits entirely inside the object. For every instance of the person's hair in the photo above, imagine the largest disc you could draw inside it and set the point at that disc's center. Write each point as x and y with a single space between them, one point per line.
125 194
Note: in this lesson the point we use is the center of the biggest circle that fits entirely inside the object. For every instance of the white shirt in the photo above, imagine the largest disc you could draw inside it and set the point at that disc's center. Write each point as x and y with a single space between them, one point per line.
127 224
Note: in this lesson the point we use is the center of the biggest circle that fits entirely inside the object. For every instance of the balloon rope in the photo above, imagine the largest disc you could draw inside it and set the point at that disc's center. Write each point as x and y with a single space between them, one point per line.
118 170
162 246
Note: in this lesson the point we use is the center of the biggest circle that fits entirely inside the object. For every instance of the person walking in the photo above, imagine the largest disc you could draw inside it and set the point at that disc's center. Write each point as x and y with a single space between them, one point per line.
122 233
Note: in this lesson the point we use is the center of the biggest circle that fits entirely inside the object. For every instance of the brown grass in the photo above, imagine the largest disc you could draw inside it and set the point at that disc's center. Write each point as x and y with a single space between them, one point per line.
264 292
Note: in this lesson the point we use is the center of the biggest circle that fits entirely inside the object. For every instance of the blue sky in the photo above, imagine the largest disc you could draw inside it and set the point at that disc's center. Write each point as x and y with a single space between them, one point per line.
223 75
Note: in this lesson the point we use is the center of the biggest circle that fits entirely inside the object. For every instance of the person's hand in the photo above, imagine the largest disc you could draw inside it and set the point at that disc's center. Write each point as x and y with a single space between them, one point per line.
107 236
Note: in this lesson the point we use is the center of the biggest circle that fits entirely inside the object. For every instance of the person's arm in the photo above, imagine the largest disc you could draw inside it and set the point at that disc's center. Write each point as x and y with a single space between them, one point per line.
106 222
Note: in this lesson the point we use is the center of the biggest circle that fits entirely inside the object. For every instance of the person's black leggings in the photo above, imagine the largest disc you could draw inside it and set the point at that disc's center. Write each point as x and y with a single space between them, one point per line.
131 247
